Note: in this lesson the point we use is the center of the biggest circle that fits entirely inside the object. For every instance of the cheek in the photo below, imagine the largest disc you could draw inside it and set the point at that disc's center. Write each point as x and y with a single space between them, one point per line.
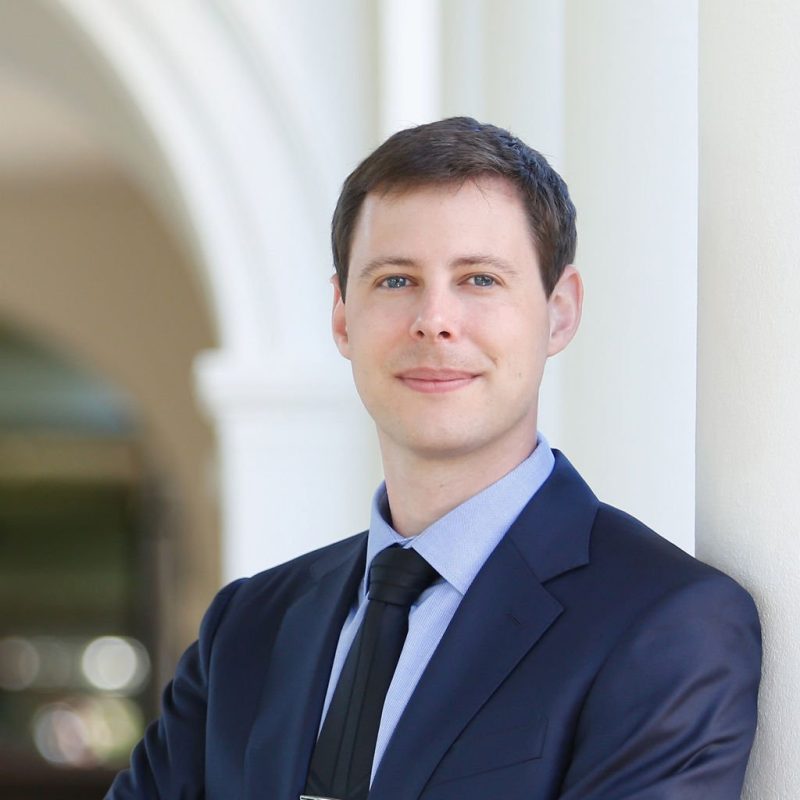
526 366
377 332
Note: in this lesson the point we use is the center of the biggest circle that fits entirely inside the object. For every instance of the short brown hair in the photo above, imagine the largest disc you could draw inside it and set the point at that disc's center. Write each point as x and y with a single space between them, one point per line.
452 151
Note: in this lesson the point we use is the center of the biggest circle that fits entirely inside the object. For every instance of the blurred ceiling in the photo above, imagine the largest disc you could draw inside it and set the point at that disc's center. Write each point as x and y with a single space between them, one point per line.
42 138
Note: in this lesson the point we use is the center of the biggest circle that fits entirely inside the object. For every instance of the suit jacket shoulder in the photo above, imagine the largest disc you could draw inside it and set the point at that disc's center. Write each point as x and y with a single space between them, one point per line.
279 586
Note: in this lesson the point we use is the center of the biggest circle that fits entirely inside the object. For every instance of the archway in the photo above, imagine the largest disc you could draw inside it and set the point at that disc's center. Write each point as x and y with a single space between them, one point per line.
93 284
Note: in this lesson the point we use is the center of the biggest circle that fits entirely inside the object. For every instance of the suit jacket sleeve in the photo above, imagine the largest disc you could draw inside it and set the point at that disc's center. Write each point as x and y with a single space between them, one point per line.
672 712
170 760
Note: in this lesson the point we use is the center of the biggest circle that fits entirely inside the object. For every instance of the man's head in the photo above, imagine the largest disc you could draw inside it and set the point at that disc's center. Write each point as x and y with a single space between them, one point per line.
453 151
450 314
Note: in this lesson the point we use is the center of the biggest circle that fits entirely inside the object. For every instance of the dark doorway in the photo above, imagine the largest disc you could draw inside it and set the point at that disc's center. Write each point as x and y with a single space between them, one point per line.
80 549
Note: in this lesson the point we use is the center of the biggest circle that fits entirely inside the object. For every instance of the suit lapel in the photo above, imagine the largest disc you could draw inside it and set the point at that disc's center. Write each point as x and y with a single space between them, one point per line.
502 616
286 722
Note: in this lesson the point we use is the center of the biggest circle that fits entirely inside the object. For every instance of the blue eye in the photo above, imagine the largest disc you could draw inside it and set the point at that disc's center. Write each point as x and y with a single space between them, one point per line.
395 282
482 280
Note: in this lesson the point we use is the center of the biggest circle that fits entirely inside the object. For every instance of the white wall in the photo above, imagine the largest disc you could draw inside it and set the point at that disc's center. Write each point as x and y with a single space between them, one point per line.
631 162
748 460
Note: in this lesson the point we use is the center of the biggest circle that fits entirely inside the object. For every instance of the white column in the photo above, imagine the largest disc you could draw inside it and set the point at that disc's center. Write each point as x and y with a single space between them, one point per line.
409 63
298 460
628 390
748 467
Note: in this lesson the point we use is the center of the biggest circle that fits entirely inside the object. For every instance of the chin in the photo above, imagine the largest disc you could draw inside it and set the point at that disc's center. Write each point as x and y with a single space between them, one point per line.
441 445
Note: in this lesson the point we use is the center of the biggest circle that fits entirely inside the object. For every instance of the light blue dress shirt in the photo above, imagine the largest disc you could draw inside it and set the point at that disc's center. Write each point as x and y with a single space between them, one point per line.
456 546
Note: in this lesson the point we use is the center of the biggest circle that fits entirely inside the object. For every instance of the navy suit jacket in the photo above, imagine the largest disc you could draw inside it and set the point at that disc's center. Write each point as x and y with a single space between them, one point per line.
590 659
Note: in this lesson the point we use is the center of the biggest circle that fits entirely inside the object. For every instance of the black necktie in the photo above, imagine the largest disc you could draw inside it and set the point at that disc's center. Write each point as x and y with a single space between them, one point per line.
342 761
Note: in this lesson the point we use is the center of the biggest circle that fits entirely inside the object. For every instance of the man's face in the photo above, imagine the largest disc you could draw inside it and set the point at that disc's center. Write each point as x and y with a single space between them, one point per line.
446 322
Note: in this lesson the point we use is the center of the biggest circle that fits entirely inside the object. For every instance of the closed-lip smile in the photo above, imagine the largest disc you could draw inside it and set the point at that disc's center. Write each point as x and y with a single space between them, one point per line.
430 380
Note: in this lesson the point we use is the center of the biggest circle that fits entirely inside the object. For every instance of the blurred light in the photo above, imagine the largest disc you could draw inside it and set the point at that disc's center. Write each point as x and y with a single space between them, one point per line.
62 737
86 731
19 664
55 662
117 727
115 664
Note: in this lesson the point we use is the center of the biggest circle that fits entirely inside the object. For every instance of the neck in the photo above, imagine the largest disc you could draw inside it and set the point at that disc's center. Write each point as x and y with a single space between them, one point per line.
421 489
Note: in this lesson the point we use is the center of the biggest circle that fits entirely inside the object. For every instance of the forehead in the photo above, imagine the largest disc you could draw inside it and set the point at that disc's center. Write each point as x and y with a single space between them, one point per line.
486 212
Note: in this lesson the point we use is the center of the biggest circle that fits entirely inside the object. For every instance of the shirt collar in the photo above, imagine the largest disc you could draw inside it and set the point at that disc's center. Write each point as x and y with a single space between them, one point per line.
458 544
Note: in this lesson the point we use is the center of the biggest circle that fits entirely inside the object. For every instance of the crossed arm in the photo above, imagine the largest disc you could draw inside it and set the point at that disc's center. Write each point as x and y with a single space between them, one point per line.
672 713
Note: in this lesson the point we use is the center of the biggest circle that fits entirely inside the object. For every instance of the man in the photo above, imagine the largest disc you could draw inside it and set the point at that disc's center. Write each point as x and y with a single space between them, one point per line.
558 648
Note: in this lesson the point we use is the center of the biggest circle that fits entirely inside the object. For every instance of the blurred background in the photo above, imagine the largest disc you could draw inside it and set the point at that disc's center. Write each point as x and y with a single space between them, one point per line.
173 413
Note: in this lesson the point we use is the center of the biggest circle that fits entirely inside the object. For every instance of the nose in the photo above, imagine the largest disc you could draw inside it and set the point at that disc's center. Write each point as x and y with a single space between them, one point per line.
437 315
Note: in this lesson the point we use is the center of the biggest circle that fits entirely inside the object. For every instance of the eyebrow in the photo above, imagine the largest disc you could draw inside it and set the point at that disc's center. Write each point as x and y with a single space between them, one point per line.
471 260
480 259
377 264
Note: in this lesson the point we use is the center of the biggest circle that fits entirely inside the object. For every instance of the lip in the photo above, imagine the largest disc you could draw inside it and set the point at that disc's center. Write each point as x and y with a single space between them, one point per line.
433 381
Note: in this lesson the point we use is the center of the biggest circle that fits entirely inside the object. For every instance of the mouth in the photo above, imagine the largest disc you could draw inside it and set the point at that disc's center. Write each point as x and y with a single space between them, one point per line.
435 381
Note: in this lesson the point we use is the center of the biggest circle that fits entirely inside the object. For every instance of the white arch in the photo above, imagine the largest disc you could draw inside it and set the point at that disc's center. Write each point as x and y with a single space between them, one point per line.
186 96
226 142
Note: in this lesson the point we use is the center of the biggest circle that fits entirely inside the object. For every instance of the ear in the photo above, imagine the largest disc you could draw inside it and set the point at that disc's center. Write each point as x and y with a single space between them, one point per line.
339 320
564 309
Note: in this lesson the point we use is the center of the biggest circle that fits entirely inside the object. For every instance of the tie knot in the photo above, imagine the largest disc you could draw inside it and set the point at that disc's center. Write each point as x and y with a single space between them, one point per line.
399 576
